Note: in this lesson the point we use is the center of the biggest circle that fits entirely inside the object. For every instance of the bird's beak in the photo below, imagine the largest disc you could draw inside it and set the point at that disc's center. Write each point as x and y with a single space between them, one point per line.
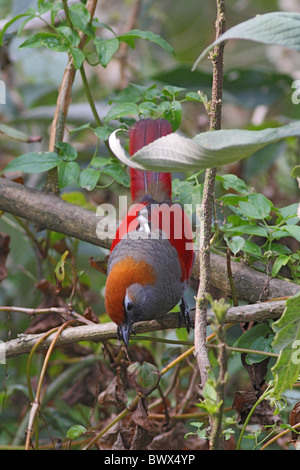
126 331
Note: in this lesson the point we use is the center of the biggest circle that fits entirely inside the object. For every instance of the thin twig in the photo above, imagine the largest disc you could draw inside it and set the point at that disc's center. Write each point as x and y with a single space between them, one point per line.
207 204
105 331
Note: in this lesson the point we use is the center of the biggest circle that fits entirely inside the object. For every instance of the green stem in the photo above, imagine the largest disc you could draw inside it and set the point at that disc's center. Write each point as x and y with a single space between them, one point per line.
66 10
91 102
89 96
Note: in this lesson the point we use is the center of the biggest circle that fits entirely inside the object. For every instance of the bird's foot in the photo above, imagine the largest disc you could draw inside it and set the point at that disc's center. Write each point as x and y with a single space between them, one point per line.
184 315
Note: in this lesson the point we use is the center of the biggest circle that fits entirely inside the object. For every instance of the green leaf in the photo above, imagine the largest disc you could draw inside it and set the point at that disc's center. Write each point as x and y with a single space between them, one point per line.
289 213
49 40
103 132
293 230
68 173
233 182
208 149
68 36
260 338
78 199
29 12
287 342
80 18
89 178
257 206
249 229
280 249
193 96
210 403
172 91
117 173
98 161
134 34
23 24
145 376
59 270
251 248
232 199
13 133
282 260
295 173
78 57
173 115
281 28
76 431
67 151
43 6
87 125
130 94
34 162
121 110
106 48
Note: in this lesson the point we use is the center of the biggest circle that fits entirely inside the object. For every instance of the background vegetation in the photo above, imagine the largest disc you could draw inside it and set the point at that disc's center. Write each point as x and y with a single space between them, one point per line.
88 385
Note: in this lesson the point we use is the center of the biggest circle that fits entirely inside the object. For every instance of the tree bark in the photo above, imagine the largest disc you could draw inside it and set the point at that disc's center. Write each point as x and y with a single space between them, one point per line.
105 331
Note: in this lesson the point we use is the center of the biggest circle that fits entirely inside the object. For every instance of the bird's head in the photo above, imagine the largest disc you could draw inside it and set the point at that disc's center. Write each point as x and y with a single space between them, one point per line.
126 293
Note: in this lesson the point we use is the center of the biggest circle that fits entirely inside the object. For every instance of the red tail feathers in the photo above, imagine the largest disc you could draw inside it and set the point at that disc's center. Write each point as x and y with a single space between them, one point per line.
158 185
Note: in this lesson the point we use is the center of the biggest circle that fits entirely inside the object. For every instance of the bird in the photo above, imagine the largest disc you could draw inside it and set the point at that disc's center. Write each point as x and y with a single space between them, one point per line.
151 256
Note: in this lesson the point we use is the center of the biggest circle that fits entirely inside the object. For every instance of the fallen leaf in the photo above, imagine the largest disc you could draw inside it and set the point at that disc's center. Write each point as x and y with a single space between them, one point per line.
263 414
295 419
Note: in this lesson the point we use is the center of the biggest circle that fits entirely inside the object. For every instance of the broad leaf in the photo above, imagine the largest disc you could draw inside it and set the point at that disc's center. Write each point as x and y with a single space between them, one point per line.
280 28
293 230
134 34
76 431
49 40
209 149
78 57
259 337
236 244
80 18
89 178
106 48
13 133
30 13
67 151
256 207
121 110
117 173
287 342
68 173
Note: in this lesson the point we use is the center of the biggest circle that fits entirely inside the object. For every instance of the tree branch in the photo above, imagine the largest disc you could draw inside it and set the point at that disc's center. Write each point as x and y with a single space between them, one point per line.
52 213
105 331
207 204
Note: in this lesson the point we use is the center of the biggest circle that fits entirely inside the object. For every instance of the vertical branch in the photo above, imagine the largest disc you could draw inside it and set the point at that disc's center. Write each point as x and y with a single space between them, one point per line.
217 439
63 102
205 214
